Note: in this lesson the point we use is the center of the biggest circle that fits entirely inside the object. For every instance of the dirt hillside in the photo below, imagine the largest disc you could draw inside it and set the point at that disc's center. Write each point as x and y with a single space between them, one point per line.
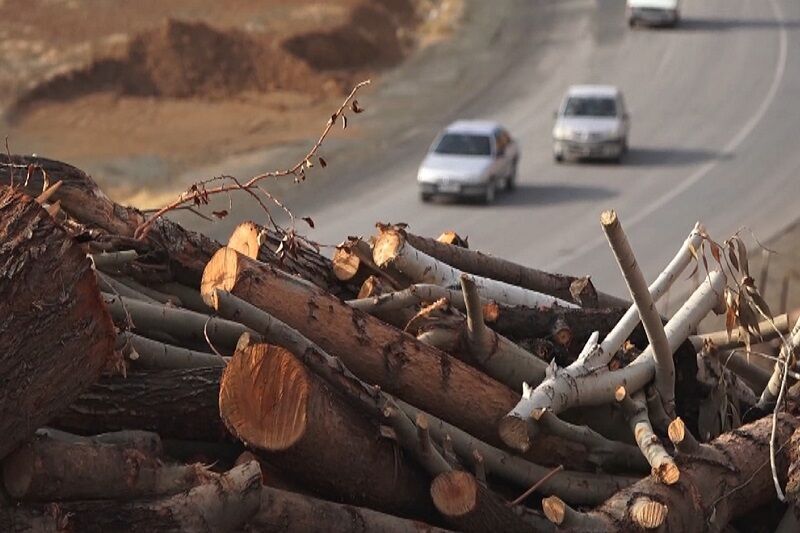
141 89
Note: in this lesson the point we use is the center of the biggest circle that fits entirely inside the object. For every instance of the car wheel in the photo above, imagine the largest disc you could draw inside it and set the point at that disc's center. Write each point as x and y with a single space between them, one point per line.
559 158
511 180
631 22
490 193
425 196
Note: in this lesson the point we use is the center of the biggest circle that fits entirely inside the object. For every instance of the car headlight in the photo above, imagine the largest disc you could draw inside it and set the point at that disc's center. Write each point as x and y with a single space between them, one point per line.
560 133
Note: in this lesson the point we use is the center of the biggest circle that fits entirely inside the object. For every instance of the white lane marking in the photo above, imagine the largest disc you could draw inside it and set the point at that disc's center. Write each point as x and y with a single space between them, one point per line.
701 172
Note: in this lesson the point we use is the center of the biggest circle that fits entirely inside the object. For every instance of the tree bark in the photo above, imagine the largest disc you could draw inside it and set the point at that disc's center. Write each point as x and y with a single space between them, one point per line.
374 351
288 512
651 320
487 266
178 404
391 248
48 469
271 402
55 332
257 242
708 494
472 507
186 252
223 504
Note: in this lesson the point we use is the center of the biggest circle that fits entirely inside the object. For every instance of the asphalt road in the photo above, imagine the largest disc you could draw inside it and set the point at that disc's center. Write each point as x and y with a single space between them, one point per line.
715 108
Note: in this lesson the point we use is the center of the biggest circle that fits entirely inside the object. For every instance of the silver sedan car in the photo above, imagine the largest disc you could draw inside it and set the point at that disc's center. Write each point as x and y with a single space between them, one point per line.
469 158
591 122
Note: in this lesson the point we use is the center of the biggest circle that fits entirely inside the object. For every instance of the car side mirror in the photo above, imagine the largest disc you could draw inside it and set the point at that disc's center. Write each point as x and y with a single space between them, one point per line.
555 114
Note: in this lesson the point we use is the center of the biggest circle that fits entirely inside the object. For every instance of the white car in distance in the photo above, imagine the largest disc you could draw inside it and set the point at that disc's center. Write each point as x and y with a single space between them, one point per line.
469 159
653 12
591 122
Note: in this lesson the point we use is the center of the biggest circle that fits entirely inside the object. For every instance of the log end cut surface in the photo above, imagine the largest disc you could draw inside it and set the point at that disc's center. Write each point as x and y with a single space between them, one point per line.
514 432
264 396
220 273
244 239
345 264
454 493
387 246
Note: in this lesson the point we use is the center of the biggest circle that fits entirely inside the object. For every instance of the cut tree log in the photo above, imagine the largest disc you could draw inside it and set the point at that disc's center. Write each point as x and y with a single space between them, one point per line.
49 469
185 251
788 357
289 512
148 353
271 402
177 404
472 507
487 266
376 352
708 494
392 248
648 314
55 332
225 503
635 409
182 324
260 243
589 382
576 487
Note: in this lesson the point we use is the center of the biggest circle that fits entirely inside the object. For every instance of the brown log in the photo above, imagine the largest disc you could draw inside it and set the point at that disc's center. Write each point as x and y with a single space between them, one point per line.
472 507
373 350
223 504
288 512
793 483
271 402
488 266
55 332
178 404
708 492
260 243
186 252
48 468
353 262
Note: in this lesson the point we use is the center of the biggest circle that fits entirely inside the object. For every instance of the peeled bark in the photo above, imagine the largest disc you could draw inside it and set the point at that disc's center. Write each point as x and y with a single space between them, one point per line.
472 507
223 504
186 252
374 351
708 493
288 512
55 332
487 266
392 248
271 402
178 404
257 242
47 469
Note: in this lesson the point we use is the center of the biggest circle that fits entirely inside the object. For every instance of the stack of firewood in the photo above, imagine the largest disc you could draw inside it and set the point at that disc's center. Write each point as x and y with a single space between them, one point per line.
169 383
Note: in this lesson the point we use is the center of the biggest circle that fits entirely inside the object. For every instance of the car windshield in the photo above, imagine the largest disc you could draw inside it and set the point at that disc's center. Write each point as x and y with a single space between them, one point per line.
464 144
587 106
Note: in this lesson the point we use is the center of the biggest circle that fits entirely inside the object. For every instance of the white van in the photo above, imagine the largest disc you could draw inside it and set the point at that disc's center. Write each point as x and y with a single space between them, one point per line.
653 12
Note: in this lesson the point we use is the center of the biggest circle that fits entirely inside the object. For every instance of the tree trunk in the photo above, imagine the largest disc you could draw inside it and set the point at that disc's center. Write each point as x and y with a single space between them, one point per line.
288 512
223 504
257 242
47 468
186 252
177 404
471 507
55 332
271 402
391 248
488 266
709 493
374 351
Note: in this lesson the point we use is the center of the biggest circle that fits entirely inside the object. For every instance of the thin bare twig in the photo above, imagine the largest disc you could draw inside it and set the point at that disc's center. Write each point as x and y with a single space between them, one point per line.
535 486
198 192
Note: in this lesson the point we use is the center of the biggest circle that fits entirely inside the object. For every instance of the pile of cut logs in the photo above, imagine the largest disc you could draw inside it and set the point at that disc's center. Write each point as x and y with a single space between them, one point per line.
170 383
